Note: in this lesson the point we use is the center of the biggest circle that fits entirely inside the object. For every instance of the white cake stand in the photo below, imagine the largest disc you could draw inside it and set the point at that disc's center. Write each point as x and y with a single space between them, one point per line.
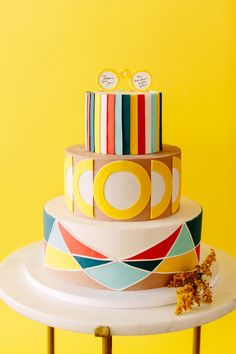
20 289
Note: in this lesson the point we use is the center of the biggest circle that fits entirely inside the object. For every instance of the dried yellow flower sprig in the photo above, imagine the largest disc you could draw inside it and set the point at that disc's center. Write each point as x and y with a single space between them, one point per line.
192 286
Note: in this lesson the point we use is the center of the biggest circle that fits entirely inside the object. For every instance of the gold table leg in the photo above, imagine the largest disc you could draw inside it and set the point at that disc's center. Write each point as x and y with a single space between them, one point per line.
50 335
105 333
196 340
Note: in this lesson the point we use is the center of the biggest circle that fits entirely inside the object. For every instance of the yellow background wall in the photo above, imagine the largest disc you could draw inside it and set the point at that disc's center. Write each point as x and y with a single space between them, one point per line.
50 53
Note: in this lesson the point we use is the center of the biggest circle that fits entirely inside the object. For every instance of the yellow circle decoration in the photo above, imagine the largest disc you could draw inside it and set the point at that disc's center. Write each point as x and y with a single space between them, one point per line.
99 187
108 80
68 163
176 163
84 207
141 80
163 170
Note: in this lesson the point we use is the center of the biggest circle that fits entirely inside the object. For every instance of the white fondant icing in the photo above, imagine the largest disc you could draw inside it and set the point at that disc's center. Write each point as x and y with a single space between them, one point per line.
69 182
86 186
158 188
103 124
121 240
175 184
122 190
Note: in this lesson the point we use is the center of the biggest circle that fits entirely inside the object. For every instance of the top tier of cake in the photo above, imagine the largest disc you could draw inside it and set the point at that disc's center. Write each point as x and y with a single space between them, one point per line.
123 122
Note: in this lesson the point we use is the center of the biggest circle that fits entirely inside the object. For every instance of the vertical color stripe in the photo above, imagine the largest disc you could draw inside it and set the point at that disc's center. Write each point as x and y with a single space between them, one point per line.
111 124
103 123
118 125
148 123
158 122
134 124
141 124
126 123
92 147
97 115
153 114
85 121
88 120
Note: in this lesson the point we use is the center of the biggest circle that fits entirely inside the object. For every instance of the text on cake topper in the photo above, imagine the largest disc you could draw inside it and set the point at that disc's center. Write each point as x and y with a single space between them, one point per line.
108 80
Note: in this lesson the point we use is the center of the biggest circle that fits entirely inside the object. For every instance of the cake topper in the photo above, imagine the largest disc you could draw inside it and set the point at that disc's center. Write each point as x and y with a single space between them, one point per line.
141 80
108 79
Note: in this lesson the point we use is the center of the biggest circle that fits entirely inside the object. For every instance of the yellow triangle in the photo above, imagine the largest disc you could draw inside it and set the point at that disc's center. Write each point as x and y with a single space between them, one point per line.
183 263
58 260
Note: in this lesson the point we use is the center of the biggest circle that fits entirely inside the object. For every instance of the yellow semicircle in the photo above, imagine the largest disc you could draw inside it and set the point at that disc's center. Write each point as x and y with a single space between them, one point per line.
182 263
176 163
59 260
67 164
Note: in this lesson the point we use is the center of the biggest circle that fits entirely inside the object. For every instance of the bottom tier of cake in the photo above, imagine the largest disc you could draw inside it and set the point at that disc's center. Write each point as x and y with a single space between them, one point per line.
121 256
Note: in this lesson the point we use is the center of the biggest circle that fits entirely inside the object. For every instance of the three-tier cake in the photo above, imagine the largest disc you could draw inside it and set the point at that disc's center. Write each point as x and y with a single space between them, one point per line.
122 224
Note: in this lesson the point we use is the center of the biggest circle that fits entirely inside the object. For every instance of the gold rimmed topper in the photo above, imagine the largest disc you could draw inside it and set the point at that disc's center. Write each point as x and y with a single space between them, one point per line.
108 79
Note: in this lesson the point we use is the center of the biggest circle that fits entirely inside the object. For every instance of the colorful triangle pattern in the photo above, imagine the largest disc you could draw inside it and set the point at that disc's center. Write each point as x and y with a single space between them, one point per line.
197 249
195 227
183 244
89 262
160 250
127 275
145 265
78 248
180 251
56 259
48 224
185 262
56 239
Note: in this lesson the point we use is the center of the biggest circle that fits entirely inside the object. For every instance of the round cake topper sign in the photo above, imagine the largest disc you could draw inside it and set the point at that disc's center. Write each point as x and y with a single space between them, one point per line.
141 80
108 80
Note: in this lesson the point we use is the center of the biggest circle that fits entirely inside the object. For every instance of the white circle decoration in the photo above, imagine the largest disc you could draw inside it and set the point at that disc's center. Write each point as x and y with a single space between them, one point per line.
122 190
157 188
141 80
108 80
86 186
69 182
175 184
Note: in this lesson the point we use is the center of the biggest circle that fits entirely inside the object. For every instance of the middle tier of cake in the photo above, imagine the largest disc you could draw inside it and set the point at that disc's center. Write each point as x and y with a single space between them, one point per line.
123 188
121 256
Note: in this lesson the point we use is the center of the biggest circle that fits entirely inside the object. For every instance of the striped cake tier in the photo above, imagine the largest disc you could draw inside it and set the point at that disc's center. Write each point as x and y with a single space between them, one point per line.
125 187
121 256
123 123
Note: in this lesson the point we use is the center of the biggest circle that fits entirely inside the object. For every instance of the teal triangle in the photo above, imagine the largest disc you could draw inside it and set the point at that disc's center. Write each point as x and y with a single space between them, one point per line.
146 265
195 227
116 275
48 224
85 262
56 240
183 244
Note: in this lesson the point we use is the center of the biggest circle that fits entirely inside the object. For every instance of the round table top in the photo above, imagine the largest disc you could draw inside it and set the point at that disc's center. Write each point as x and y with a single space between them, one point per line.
17 292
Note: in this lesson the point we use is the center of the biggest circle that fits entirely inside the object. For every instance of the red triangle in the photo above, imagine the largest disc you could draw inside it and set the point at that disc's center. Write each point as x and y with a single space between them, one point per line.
197 249
160 250
77 247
